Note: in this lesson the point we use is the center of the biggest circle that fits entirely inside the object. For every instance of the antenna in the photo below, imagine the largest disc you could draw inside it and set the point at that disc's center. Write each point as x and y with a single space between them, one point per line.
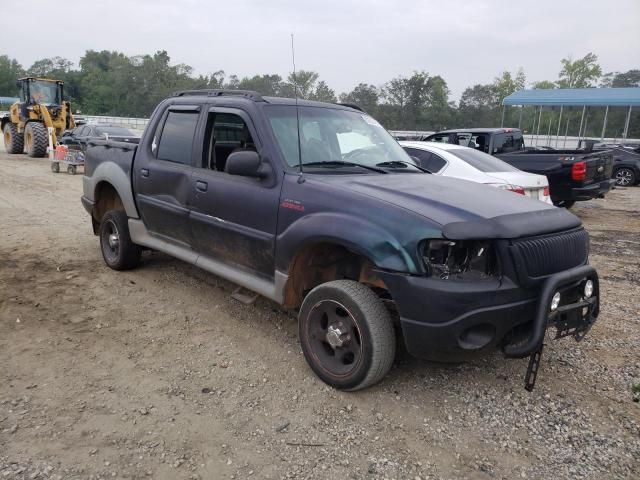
295 93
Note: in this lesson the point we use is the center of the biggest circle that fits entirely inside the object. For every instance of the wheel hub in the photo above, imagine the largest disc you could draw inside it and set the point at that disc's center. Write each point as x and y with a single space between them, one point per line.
113 240
336 337
624 177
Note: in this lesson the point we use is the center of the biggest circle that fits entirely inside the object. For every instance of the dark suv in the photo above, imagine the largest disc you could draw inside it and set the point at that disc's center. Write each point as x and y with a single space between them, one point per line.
316 207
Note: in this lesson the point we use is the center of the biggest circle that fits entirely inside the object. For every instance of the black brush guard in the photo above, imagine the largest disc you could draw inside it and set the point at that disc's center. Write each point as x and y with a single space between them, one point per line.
532 347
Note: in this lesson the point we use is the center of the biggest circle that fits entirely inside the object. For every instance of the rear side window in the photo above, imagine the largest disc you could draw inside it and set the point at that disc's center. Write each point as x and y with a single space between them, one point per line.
436 163
503 143
176 142
432 162
482 161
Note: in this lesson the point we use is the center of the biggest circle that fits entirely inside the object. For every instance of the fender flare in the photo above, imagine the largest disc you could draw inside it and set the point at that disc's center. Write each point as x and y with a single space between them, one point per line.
356 234
111 173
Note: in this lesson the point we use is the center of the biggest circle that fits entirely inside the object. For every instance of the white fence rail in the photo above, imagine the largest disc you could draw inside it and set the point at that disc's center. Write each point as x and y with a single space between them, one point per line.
532 140
126 122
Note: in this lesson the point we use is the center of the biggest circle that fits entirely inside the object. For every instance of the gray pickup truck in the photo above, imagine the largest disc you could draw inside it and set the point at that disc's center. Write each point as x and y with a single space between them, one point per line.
316 207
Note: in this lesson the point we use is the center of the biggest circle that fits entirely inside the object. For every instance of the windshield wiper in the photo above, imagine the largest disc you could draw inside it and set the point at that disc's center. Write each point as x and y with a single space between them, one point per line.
400 163
341 163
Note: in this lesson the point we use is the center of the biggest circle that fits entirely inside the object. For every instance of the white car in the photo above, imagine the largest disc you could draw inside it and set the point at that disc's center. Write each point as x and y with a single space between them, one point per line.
451 160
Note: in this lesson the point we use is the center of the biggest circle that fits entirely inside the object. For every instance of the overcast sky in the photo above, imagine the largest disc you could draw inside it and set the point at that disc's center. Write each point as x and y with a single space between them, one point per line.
346 41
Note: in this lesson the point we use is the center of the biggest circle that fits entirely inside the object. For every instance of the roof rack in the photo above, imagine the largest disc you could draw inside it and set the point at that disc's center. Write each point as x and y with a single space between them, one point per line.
250 94
351 105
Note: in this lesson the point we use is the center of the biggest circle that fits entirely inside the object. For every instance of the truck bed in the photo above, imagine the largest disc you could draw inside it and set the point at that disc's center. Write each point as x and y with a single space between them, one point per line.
560 166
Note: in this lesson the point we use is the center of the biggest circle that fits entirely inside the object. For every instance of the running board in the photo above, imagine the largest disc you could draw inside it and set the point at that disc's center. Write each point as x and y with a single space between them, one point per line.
273 290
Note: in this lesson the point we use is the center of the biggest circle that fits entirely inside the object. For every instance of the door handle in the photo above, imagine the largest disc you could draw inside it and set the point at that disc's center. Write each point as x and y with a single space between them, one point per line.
201 186
144 172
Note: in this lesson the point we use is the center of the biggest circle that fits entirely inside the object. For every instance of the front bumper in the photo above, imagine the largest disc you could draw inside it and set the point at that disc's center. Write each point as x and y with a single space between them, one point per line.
453 321
596 190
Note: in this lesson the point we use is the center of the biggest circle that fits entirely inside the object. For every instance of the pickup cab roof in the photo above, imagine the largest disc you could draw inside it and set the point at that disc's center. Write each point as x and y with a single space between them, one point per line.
252 96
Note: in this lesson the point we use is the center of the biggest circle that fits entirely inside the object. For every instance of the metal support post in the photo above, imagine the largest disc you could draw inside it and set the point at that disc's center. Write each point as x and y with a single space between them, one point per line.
584 109
520 118
626 124
558 131
539 120
604 123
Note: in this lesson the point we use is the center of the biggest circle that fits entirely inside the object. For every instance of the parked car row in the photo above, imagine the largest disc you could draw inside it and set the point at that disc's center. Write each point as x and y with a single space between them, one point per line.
468 164
573 175
318 208
79 137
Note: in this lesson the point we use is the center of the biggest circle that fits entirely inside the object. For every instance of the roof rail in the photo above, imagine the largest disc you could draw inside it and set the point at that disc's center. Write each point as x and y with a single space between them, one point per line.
250 94
351 105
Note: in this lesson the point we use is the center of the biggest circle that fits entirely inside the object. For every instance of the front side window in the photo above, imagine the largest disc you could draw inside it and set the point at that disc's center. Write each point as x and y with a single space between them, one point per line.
332 135
225 134
176 142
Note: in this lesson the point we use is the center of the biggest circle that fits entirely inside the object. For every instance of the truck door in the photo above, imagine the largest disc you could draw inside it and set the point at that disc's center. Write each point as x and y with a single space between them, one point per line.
162 176
233 218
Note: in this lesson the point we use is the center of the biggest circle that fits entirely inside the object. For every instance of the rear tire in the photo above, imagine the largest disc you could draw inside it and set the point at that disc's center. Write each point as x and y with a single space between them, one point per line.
625 177
55 167
13 141
36 139
346 334
118 251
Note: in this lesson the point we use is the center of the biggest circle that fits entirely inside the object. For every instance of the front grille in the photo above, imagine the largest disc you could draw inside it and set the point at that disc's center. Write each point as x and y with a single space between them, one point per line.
553 253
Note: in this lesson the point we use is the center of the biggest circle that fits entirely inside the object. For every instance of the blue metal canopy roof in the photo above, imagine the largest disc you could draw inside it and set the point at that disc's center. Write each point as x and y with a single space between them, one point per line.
576 97
7 100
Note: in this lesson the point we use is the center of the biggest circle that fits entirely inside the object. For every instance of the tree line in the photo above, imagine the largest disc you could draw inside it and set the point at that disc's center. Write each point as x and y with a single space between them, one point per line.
112 83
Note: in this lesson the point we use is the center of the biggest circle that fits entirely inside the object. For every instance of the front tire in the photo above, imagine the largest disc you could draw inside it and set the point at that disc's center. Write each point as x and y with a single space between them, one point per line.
13 141
625 177
36 139
346 334
118 251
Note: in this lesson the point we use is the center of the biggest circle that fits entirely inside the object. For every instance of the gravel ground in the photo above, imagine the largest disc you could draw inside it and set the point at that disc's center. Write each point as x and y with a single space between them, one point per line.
159 373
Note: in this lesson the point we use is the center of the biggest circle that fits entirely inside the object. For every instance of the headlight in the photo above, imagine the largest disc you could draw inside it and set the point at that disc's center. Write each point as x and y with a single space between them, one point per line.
462 260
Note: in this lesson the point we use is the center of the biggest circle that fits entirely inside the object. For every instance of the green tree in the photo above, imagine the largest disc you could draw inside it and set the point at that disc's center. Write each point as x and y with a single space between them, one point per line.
440 112
408 97
365 96
543 85
10 72
323 93
304 81
269 85
580 73
478 106
630 78
54 67
506 84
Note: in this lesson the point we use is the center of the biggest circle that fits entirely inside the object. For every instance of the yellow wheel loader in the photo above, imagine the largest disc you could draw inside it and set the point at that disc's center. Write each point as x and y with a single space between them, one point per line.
41 106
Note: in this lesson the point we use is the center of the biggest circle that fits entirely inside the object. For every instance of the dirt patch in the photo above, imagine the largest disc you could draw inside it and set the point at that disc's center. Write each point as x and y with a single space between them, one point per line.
158 373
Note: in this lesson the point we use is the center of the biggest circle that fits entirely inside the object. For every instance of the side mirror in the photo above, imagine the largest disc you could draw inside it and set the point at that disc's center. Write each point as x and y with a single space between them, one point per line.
245 163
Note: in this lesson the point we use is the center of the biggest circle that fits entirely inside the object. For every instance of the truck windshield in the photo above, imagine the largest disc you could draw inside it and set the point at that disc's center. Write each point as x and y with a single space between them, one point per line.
45 93
332 135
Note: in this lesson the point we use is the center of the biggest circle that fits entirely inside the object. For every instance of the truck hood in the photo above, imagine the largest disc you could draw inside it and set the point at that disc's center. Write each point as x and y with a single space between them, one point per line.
486 212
